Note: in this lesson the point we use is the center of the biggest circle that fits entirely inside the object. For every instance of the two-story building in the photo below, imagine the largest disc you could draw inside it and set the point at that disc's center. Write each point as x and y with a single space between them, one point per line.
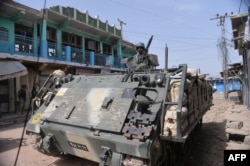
33 43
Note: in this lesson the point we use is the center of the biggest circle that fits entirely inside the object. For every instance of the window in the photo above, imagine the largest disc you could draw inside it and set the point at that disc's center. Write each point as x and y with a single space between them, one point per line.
23 30
51 34
4 34
92 45
106 49
72 39
65 38
23 38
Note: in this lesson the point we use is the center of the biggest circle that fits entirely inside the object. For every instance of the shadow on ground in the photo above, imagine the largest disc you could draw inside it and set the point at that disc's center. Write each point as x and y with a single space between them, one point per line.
209 147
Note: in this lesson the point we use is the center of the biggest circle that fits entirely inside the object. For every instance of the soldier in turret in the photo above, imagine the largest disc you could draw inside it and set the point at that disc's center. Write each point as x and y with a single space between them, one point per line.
140 59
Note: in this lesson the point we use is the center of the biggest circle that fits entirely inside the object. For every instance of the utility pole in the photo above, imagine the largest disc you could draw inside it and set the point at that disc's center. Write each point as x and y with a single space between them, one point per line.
121 25
224 51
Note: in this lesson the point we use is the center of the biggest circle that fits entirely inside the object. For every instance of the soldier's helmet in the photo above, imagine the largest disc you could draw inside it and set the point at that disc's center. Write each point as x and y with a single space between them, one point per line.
140 45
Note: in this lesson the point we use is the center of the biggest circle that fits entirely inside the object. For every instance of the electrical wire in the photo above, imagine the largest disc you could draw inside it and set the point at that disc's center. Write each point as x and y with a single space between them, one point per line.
240 6
247 5
164 36
160 16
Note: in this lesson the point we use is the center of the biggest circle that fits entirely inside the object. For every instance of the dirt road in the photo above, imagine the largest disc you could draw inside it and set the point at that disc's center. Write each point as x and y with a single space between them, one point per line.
9 143
208 150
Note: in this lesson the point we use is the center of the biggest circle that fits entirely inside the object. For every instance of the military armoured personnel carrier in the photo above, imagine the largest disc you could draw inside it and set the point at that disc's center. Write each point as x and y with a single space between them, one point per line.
142 117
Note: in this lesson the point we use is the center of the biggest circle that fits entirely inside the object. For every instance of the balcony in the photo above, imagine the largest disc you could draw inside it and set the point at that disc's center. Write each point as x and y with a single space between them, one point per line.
27 46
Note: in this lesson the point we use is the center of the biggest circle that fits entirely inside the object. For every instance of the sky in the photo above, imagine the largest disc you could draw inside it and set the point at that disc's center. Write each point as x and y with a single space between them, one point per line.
185 26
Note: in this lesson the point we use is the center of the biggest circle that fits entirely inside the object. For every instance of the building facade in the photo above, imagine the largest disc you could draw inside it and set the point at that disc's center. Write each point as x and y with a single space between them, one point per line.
53 38
241 31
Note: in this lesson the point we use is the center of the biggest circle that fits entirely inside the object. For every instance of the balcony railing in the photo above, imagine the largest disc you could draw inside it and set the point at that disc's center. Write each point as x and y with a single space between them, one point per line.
25 46
85 18
63 52
76 55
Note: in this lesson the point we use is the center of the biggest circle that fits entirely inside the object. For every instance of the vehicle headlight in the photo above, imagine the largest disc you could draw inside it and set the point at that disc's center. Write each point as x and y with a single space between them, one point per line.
159 78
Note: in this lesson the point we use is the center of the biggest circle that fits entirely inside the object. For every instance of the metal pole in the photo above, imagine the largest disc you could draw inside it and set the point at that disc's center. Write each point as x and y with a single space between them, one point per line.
121 25
166 57
224 51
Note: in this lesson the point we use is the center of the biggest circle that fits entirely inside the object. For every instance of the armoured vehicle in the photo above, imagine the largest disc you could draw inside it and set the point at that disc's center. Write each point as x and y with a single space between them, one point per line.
142 117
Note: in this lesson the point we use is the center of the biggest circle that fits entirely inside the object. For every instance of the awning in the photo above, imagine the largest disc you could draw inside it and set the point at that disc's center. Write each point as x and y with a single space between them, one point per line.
11 69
